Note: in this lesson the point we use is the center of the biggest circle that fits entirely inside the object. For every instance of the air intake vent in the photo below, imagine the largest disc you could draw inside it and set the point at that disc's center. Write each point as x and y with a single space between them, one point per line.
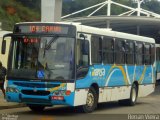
39 92
37 85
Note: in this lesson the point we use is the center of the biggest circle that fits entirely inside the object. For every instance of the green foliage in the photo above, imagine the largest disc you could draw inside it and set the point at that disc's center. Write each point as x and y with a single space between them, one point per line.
33 4
13 11
153 5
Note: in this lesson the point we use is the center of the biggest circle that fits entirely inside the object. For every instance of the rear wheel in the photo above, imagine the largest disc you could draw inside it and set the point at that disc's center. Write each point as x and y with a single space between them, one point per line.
92 100
133 97
36 108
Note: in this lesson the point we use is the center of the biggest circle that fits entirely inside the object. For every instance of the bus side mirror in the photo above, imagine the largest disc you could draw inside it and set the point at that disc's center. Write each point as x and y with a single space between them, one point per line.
3 49
82 36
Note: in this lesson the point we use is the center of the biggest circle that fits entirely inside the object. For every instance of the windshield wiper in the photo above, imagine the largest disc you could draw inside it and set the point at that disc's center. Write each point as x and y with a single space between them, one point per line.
47 46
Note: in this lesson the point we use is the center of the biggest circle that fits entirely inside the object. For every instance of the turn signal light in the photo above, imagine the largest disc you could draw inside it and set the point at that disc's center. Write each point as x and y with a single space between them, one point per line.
68 92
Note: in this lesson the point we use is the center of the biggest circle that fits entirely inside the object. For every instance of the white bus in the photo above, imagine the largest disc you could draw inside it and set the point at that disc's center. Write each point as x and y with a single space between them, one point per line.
158 62
4 58
77 65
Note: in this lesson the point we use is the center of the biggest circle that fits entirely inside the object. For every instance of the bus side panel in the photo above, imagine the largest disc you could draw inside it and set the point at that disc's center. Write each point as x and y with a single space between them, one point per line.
80 97
144 74
111 80
145 90
147 81
115 81
114 93
95 75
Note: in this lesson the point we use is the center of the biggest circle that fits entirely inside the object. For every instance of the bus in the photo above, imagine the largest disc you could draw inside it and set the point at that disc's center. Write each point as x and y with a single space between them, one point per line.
4 58
158 62
76 65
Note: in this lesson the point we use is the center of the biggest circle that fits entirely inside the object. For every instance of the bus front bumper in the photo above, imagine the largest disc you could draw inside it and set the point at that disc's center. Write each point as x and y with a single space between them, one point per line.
47 100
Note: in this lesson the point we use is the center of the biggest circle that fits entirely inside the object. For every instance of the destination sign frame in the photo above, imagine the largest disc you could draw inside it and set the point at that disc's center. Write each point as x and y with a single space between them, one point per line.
45 28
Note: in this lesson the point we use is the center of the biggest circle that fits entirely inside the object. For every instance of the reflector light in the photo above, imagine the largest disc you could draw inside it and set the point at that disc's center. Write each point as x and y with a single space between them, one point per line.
68 92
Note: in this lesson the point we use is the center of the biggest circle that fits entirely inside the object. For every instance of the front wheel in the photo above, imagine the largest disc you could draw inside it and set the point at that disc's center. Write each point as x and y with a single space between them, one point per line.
36 108
91 102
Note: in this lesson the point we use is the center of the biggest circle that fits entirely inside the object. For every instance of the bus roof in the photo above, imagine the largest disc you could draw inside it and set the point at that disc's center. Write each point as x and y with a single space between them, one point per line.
100 31
4 32
115 34
67 23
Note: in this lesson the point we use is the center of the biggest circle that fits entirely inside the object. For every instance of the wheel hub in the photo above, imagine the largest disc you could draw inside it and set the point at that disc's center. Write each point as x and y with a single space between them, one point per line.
134 95
90 100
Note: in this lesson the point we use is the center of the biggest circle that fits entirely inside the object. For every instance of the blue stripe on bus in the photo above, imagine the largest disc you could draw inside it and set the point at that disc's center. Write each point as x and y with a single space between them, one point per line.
116 75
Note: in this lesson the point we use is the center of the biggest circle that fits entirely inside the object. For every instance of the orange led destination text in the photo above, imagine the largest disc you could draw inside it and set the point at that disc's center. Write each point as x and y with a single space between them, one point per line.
45 29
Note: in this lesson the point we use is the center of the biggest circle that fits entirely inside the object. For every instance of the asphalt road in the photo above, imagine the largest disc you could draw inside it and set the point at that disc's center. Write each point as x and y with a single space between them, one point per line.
149 105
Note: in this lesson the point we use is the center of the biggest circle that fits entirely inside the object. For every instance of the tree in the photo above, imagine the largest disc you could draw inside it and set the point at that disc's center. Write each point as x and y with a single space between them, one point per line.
152 5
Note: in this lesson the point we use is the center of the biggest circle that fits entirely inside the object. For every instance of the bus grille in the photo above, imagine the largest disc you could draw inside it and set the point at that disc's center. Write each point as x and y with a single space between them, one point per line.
35 100
37 85
39 92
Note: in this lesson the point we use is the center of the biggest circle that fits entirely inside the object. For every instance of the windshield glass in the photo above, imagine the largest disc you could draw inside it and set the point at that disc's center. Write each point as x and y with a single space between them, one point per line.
50 58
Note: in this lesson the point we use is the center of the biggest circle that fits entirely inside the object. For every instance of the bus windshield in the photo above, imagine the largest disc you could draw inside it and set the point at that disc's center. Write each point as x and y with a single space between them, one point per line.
41 57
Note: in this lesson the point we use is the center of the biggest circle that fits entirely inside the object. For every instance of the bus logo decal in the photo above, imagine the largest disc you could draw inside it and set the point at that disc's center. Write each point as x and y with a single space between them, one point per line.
98 72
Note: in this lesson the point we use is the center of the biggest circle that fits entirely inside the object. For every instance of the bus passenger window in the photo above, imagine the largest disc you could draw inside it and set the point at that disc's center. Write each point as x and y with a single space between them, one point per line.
119 51
147 54
96 50
108 50
153 54
129 52
139 53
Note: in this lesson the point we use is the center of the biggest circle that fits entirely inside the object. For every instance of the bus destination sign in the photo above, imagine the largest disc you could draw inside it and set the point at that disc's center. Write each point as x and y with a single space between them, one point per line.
43 29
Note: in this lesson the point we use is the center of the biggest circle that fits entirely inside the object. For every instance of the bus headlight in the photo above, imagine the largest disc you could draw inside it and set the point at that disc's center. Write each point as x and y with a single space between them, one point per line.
59 93
12 89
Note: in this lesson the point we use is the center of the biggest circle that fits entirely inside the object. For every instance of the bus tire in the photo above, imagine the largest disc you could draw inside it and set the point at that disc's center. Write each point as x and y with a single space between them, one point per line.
133 96
91 102
36 108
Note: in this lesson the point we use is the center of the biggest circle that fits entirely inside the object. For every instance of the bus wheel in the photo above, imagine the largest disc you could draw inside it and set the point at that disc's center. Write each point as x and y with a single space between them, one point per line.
92 100
133 96
36 108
